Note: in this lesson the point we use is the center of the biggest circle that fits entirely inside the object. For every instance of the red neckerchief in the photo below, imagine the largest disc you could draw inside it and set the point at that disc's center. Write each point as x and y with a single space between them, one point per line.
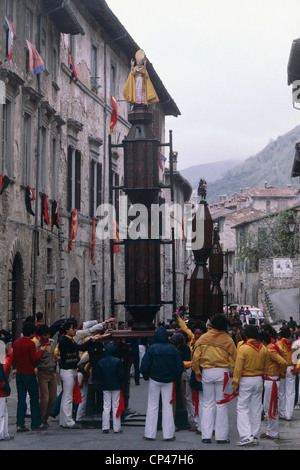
274 347
255 344
287 343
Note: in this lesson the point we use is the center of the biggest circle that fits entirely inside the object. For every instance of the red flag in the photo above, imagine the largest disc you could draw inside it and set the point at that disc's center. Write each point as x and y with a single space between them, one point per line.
29 196
73 228
74 73
45 209
116 248
93 241
114 116
4 182
36 63
10 39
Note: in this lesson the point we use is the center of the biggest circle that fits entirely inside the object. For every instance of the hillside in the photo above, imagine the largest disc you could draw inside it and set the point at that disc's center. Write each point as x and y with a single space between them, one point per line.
212 171
273 164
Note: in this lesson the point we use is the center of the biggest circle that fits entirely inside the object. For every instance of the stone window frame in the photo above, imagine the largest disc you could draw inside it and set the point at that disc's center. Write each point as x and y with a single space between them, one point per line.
30 102
12 83
74 161
95 175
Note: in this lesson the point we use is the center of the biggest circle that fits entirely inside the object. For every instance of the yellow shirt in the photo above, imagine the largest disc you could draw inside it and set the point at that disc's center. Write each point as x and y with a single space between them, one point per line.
285 346
250 361
208 354
275 364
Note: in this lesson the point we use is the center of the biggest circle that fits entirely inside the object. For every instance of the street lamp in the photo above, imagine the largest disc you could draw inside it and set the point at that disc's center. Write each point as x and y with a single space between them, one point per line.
291 224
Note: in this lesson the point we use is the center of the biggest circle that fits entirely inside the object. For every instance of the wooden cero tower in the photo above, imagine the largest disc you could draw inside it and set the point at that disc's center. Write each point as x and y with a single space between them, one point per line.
200 282
142 255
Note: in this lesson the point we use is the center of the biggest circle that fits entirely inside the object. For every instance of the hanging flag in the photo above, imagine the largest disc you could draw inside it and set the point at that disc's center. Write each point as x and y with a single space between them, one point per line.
161 161
74 73
73 228
114 115
29 196
10 39
54 214
183 229
116 248
4 182
36 63
93 241
45 210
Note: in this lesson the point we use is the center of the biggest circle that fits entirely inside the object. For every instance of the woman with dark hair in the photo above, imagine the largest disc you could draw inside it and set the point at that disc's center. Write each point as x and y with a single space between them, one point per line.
214 352
69 358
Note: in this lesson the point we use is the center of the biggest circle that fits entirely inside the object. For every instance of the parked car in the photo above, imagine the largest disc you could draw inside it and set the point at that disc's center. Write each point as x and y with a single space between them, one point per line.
256 314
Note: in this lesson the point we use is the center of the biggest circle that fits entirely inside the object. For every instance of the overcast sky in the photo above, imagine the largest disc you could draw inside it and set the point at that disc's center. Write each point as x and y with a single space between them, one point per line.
224 62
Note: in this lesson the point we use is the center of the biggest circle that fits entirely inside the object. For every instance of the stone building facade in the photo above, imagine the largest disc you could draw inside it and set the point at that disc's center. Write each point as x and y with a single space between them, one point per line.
54 138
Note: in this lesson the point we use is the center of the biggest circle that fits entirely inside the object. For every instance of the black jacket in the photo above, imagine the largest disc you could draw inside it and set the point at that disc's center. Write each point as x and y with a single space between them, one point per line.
110 371
162 362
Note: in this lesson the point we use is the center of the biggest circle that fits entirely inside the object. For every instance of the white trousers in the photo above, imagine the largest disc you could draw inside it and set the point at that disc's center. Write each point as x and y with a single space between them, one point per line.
273 424
81 410
111 400
287 392
189 398
214 417
155 389
249 406
3 418
200 413
66 407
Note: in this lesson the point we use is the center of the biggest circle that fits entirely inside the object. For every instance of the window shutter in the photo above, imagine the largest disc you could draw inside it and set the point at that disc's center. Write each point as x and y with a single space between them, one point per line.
77 179
99 184
92 188
69 181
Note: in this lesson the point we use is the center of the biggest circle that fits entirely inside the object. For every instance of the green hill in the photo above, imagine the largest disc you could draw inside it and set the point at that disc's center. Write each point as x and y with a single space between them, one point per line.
273 164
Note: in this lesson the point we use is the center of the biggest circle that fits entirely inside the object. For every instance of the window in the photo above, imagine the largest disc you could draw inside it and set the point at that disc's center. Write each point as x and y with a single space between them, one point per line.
113 80
54 172
6 140
49 261
44 160
27 149
9 10
28 24
94 69
54 63
116 197
74 178
95 186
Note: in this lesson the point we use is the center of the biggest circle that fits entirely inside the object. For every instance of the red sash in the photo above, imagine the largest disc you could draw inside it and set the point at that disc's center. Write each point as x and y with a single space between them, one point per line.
173 394
195 402
227 396
273 407
121 406
76 393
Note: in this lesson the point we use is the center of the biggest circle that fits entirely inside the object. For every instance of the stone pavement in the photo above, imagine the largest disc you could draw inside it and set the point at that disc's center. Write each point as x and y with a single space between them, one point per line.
186 443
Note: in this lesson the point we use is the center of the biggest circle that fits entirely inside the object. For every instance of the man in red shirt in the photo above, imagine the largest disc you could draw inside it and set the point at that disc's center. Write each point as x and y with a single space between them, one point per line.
25 359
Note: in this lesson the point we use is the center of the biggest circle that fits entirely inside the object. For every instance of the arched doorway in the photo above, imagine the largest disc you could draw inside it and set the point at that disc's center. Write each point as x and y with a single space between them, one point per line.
17 297
74 299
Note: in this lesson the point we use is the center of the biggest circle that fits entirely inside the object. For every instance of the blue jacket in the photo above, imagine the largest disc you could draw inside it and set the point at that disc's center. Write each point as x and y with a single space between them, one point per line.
162 361
110 370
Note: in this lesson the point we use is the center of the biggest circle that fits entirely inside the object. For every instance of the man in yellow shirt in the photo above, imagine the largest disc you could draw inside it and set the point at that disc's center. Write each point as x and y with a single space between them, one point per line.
287 389
248 383
275 370
194 398
214 352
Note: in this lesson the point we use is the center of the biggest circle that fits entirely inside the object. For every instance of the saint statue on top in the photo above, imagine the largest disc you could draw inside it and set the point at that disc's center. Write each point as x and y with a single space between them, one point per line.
138 88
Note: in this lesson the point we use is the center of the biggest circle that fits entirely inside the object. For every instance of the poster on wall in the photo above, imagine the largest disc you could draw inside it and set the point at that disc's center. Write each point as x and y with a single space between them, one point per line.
283 267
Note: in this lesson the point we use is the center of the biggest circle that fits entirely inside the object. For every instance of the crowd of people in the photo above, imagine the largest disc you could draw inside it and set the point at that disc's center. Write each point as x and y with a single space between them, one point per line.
191 358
